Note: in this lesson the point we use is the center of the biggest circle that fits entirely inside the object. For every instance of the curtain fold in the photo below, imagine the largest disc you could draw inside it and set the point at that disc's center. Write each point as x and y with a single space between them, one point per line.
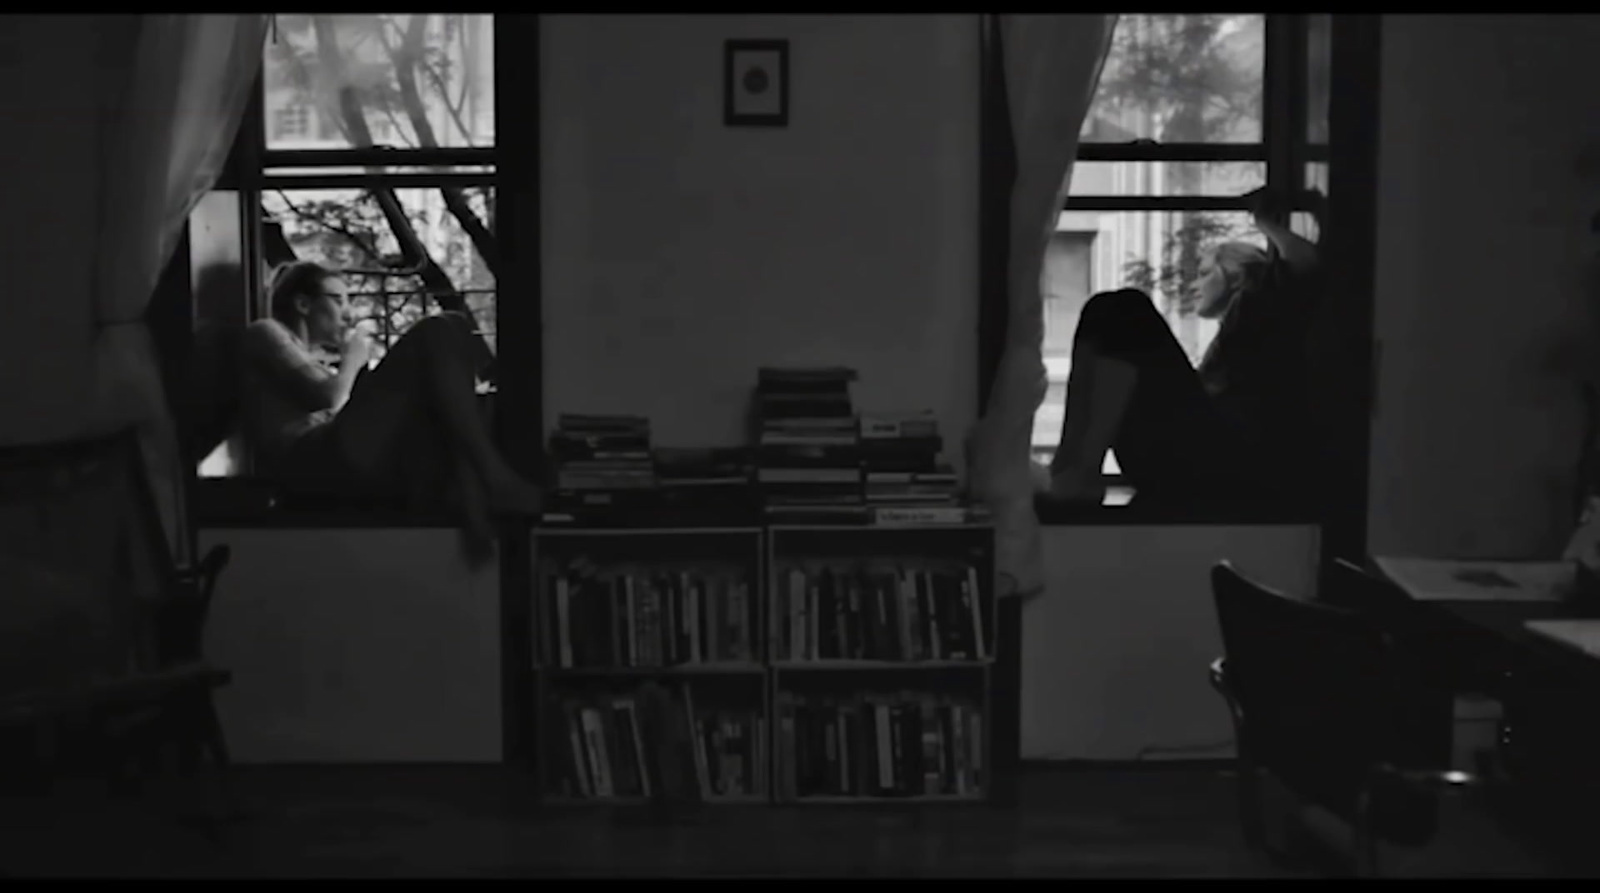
1052 66
173 90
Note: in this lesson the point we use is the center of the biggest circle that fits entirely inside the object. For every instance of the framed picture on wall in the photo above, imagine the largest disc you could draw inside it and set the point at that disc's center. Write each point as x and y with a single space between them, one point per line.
755 83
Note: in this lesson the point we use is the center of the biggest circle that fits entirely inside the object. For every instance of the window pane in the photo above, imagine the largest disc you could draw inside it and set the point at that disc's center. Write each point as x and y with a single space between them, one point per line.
1319 65
1179 78
1167 178
1317 176
1316 179
402 80
347 230
1158 252
1305 225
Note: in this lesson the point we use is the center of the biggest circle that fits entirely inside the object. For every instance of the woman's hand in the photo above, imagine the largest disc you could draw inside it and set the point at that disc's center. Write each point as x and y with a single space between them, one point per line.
1263 205
357 349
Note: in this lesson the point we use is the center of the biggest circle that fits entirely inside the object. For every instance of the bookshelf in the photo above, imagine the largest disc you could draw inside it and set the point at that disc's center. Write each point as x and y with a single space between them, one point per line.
650 674
780 664
880 649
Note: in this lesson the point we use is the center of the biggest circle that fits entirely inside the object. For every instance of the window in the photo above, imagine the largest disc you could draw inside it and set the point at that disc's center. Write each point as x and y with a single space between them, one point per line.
1193 110
290 123
376 157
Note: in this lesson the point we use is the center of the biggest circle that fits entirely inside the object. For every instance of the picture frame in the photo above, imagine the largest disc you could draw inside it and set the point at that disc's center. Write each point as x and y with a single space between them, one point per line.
755 83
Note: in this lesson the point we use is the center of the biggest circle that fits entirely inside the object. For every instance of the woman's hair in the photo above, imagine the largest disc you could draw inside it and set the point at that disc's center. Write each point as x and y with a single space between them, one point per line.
301 278
1244 266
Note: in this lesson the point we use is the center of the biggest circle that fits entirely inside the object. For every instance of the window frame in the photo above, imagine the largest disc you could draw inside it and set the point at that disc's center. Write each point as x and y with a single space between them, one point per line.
1283 149
512 173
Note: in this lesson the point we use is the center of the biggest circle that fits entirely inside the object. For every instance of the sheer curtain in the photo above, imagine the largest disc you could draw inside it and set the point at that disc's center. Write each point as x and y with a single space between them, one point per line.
172 91
1052 66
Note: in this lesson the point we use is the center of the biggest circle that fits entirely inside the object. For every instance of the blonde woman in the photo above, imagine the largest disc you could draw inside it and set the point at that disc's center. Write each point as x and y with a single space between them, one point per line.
1226 430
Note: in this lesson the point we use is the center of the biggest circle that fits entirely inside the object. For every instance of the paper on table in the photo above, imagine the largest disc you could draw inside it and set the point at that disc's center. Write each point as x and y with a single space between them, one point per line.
1583 635
1436 579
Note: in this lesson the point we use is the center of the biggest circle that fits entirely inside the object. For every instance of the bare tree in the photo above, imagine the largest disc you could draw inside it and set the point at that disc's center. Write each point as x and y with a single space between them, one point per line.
1190 78
1195 77
354 70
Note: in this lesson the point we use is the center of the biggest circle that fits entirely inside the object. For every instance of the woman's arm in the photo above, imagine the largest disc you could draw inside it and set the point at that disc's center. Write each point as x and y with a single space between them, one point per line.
283 364
1299 253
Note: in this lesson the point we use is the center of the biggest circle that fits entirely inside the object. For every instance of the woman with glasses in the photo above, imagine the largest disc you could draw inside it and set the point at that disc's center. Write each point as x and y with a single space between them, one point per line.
410 427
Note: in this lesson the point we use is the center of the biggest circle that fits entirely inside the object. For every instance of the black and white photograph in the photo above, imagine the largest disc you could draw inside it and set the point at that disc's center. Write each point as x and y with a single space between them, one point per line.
1106 444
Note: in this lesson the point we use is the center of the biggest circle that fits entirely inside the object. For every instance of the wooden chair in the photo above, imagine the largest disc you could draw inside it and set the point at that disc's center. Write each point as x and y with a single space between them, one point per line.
103 627
1322 701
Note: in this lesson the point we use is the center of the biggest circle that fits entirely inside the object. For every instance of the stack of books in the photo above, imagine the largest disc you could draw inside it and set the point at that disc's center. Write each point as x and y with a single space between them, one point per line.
908 479
709 483
808 461
601 463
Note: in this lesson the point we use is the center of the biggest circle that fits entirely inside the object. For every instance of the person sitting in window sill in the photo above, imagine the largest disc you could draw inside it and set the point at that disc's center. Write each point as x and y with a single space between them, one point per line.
1227 432
410 427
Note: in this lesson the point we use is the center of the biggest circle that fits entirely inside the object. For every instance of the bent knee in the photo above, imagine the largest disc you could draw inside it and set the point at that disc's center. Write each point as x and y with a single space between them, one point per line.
1118 310
441 326
1121 302
445 331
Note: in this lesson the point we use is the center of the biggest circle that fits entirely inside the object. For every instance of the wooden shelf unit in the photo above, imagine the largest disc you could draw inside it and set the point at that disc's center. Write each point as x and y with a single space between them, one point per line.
650 697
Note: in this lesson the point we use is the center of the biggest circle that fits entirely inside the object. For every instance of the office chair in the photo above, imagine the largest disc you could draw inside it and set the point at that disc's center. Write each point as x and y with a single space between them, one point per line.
1322 701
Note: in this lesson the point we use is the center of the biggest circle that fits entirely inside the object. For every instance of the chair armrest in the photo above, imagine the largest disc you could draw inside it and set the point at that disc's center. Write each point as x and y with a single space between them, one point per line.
1222 685
1219 678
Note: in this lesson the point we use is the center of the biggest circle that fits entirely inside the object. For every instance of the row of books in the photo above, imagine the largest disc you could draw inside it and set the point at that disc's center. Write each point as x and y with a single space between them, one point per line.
814 460
600 462
902 745
885 612
629 746
808 465
650 617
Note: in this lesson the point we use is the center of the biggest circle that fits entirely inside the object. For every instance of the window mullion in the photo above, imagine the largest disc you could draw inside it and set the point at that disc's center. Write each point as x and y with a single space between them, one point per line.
1300 96
1172 203
1153 151
379 157
377 181
1277 129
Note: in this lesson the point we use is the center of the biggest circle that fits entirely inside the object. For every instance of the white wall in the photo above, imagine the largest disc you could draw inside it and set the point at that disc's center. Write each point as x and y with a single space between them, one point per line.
1115 652
679 255
49 158
356 646
1483 211
849 237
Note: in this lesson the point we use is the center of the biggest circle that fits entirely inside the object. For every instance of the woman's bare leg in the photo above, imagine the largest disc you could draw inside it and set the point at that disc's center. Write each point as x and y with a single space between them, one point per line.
1099 390
1122 342
469 496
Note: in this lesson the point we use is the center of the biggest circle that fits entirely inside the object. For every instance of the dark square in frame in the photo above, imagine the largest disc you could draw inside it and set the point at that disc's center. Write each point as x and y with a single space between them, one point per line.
755 83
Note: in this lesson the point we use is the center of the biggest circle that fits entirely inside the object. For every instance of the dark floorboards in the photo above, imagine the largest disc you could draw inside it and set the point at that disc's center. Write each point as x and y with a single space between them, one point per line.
476 822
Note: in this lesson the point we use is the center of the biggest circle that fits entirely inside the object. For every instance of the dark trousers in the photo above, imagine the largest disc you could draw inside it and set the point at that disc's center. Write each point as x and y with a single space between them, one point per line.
1174 443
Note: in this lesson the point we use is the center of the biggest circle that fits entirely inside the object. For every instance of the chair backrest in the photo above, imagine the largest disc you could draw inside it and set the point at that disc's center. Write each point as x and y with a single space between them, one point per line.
1322 705
83 563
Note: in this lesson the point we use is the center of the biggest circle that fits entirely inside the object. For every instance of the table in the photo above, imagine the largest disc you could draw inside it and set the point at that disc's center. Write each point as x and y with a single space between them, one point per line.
1477 638
1550 691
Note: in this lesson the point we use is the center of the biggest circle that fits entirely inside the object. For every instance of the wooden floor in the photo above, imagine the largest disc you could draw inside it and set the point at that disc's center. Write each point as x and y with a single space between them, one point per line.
473 822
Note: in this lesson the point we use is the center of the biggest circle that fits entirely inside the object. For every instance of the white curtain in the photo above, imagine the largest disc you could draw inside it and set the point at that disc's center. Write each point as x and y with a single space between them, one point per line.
172 91
1052 66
